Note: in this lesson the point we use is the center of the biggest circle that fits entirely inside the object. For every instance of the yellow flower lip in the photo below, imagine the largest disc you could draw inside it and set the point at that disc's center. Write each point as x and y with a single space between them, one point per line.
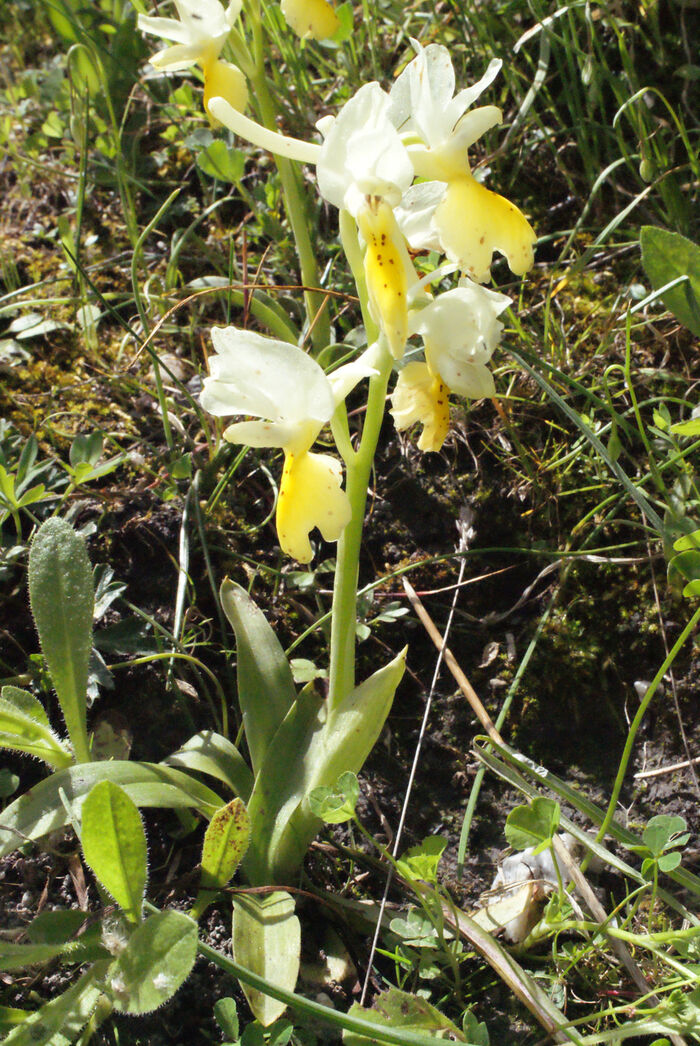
473 222
388 271
310 19
420 396
310 496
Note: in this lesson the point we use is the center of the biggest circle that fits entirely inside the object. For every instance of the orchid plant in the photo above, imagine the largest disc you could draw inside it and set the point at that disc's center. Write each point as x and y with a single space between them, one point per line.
395 166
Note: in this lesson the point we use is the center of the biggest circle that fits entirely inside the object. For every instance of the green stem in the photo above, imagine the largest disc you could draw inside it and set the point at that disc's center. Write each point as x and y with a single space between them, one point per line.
358 470
316 304
637 721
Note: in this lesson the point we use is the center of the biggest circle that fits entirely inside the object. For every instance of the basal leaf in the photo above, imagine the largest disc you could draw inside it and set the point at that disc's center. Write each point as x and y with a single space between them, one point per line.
41 810
665 256
156 961
114 845
266 688
62 599
267 940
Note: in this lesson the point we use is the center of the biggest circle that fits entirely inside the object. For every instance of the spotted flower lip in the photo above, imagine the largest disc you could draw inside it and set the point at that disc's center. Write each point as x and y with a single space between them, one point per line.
199 35
291 399
460 330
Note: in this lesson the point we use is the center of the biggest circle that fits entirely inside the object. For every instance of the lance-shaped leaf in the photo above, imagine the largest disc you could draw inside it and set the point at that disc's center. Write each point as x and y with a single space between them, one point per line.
157 959
313 747
397 1009
62 1019
114 845
42 809
267 940
62 598
25 727
266 688
211 753
225 843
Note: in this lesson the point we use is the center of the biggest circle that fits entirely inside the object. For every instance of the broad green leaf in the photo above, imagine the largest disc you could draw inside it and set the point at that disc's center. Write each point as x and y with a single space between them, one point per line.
211 753
533 825
10 1017
156 961
41 810
114 845
687 542
226 1015
663 831
475 1030
686 428
62 599
62 1019
312 748
221 161
266 690
225 843
267 940
420 863
401 1010
19 956
336 805
665 256
24 726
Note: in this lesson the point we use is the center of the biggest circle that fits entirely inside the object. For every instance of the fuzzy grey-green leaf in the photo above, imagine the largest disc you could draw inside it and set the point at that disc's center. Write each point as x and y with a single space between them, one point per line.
156 961
62 599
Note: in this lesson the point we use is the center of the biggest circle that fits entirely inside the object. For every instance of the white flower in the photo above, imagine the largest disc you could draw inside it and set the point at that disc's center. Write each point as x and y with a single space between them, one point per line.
453 213
279 384
460 330
200 36
362 154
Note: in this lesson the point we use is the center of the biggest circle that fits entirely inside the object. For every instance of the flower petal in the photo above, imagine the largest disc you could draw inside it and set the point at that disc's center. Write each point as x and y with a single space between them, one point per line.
473 222
310 496
269 379
422 93
416 212
260 433
461 323
471 380
165 28
344 379
362 154
466 97
177 57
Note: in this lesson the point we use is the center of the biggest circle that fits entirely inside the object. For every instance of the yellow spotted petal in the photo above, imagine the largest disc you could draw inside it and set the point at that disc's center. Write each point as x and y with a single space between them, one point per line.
314 19
473 222
225 80
420 396
310 496
386 270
